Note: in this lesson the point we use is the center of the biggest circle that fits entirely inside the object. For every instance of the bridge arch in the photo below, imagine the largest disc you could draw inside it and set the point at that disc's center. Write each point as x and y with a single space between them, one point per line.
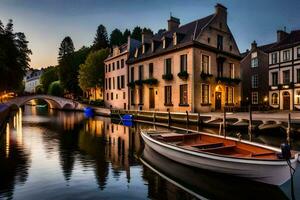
53 101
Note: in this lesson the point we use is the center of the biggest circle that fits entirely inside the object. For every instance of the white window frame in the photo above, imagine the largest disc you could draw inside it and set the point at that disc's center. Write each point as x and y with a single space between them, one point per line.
252 98
254 81
286 55
209 64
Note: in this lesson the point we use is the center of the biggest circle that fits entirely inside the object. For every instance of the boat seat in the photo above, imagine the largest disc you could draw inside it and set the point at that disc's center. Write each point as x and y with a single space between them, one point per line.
208 145
220 148
262 154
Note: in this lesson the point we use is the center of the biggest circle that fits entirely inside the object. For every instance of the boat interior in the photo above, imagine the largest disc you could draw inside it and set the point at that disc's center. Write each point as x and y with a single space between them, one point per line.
215 145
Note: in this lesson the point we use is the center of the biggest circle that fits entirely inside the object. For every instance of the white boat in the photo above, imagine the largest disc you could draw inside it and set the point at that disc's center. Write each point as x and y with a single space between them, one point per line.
253 161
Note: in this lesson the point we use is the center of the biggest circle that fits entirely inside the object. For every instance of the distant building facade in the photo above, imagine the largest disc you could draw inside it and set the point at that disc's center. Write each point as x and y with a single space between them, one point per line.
32 80
284 71
254 73
194 67
116 75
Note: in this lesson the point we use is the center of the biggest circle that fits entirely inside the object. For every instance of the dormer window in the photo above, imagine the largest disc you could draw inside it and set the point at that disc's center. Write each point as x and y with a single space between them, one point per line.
164 43
174 39
136 52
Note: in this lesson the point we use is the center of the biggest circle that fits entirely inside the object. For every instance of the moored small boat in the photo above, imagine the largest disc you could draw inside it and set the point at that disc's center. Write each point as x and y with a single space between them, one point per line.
223 155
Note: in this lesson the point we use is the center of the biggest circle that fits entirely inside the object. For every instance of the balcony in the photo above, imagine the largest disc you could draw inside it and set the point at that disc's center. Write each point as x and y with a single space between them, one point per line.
183 75
167 77
150 81
205 76
228 80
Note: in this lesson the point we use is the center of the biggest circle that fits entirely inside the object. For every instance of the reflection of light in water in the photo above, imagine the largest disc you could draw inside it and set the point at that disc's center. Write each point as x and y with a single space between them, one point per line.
19 127
15 121
7 139
33 110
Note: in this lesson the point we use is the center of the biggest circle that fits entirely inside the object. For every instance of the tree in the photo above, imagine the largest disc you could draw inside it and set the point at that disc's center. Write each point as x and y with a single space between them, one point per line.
66 48
137 33
148 30
91 73
68 70
50 75
116 37
101 39
125 35
14 58
56 89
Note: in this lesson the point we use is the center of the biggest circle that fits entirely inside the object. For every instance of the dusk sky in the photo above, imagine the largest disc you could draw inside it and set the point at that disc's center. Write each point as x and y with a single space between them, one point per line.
47 22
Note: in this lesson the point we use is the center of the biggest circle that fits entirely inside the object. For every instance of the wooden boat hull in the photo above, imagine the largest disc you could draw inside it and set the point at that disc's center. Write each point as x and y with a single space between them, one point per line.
272 172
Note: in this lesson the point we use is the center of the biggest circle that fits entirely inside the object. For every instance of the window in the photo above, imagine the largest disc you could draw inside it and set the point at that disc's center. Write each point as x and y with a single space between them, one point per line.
205 64
183 63
168 66
229 95
298 52
114 85
298 97
122 81
168 95
106 86
118 64
124 95
105 68
231 70
254 97
141 69
112 96
286 76
274 99
208 40
109 67
220 42
122 63
273 58
274 78
118 82
141 97
107 96
132 74
205 94
286 55
151 70
109 82
298 76
132 96
117 96
220 68
254 62
254 81
183 94
113 66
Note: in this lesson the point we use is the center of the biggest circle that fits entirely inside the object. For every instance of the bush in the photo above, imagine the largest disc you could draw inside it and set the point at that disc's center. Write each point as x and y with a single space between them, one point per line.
56 89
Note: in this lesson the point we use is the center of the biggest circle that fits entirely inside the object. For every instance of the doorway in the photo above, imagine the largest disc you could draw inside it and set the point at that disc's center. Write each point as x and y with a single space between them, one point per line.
218 100
286 101
151 98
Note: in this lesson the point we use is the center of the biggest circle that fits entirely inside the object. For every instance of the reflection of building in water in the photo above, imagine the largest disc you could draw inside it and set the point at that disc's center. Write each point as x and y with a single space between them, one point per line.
14 162
69 119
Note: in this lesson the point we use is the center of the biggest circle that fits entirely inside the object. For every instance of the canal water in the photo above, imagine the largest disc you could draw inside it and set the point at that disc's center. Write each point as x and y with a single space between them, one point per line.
65 155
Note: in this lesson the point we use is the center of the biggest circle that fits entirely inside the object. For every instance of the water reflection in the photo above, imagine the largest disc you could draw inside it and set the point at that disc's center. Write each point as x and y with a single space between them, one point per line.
14 158
68 156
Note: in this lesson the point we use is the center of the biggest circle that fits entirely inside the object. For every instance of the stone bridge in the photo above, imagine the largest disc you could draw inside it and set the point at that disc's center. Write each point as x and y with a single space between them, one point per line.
53 101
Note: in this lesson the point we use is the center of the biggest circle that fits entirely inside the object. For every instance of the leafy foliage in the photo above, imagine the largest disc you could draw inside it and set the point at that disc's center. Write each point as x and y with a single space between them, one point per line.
68 70
14 58
91 73
116 37
50 75
137 33
183 75
56 89
101 38
125 35
66 48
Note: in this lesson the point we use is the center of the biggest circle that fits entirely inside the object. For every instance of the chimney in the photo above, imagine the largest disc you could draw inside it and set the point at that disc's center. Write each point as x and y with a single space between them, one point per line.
146 37
281 35
253 45
173 23
221 11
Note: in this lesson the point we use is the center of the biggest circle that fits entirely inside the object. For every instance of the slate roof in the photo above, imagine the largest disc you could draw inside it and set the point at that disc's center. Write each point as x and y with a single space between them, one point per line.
263 48
290 40
187 33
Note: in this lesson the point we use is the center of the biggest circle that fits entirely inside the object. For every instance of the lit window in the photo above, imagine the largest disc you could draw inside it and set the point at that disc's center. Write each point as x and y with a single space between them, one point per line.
229 95
298 97
205 94
183 94
274 99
